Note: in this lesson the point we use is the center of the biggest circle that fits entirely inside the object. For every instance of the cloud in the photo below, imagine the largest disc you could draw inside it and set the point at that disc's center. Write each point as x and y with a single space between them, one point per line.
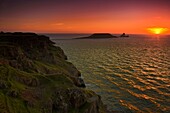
58 24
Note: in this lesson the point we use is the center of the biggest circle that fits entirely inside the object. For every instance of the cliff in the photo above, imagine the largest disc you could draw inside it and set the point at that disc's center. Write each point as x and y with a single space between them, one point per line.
36 78
98 36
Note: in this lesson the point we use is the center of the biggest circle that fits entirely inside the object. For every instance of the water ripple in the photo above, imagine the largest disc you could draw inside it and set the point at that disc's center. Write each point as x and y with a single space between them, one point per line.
131 75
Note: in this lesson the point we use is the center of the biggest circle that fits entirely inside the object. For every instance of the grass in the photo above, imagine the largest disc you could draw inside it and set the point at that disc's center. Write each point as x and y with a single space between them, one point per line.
18 82
38 78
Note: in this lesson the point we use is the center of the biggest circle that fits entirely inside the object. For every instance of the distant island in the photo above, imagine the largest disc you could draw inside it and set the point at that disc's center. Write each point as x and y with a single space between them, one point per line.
102 36
124 35
98 36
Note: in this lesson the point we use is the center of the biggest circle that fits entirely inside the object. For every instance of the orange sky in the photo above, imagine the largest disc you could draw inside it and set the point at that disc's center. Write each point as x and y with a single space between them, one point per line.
59 16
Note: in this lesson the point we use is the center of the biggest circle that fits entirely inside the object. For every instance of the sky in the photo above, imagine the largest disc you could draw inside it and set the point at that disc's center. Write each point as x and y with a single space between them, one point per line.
84 16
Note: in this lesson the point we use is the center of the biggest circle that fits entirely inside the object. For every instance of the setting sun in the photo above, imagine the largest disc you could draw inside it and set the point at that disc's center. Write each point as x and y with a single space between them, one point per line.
157 30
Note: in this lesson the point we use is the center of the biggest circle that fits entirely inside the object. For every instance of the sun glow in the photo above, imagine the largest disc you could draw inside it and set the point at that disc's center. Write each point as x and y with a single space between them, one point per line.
157 30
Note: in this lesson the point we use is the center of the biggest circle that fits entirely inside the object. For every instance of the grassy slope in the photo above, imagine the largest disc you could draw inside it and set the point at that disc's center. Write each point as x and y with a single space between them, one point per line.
24 92
41 81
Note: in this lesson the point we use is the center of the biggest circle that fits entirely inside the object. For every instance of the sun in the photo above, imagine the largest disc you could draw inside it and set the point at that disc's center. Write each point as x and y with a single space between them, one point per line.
157 30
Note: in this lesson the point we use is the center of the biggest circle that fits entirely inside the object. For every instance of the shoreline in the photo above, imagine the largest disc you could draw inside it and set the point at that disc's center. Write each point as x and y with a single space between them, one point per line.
42 67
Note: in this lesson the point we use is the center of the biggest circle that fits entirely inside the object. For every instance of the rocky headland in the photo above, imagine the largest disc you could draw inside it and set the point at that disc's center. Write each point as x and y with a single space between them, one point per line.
36 78
98 36
124 35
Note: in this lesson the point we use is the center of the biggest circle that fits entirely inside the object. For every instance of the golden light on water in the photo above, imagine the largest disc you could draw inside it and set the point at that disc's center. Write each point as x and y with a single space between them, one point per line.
157 30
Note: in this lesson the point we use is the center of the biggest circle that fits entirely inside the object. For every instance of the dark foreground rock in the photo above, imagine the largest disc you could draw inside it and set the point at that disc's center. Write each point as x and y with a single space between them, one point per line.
98 36
36 78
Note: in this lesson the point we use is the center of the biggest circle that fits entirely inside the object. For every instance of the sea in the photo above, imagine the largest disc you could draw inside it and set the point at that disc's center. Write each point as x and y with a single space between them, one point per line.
132 74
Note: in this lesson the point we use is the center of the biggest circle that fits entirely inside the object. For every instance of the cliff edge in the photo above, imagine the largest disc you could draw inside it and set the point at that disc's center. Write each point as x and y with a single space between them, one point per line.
36 78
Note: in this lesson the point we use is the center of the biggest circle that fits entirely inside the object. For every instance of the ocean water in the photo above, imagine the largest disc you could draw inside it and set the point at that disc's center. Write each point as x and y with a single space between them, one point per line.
131 74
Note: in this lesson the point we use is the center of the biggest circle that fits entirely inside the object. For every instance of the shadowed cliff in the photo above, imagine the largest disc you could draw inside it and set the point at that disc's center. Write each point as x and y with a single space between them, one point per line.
36 78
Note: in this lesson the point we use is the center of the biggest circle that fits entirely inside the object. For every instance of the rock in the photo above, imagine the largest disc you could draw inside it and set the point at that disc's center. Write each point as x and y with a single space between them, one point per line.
22 49
13 93
79 82
4 84
95 103
124 35
35 77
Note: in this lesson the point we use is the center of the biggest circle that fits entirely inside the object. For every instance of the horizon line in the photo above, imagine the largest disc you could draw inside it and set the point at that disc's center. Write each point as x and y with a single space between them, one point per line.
80 33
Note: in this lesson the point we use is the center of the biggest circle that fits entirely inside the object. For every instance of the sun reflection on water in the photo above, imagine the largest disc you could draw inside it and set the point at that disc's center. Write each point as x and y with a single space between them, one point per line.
131 75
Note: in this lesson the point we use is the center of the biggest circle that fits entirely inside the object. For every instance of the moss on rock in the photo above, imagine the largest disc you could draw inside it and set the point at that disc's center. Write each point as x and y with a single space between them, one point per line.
36 78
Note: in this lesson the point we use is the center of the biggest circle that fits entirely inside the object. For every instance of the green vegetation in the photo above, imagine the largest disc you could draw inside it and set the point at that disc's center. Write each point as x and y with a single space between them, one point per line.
36 78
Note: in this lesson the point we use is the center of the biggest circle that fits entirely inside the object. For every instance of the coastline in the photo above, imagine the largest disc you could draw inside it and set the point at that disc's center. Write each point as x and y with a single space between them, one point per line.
35 77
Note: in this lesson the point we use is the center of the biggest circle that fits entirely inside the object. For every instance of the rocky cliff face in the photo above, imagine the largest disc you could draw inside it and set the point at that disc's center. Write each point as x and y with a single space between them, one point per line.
36 78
